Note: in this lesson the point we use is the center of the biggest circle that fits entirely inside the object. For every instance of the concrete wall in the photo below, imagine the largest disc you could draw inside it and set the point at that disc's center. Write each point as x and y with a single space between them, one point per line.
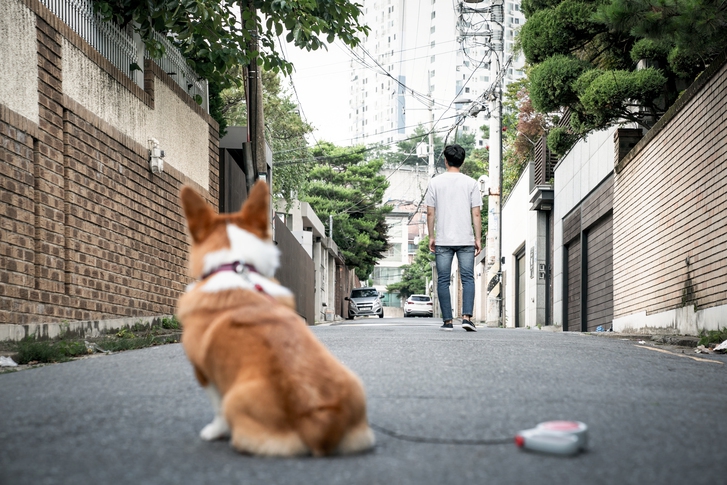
578 173
523 231
88 232
308 229
19 75
172 121
670 234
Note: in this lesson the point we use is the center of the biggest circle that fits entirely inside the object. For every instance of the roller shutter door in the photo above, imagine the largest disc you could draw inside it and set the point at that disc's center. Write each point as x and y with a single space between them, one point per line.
599 272
573 286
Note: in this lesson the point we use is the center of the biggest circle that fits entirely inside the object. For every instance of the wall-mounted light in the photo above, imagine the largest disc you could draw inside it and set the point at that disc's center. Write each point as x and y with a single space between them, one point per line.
156 157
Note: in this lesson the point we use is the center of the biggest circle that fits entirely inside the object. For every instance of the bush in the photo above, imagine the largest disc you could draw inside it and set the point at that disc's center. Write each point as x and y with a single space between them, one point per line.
560 141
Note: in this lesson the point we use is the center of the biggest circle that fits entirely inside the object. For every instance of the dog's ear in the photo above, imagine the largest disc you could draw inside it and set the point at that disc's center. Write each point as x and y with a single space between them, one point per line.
199 213
255 211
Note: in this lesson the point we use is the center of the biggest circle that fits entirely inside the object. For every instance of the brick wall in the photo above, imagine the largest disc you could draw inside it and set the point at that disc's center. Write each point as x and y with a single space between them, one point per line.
87 232
670 201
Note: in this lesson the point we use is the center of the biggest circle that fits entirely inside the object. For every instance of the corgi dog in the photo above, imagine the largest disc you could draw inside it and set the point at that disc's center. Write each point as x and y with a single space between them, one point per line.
275 389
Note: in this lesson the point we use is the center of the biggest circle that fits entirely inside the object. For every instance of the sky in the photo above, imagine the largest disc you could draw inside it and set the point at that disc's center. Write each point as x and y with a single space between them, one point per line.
321 80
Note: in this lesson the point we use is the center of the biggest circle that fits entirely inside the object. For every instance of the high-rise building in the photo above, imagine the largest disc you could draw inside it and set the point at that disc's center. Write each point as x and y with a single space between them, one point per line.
420 57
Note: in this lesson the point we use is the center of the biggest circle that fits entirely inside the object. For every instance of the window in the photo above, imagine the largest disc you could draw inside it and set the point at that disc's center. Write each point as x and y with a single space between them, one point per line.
287 219
432 60
432 29
394 253
386 276
394 224
434 14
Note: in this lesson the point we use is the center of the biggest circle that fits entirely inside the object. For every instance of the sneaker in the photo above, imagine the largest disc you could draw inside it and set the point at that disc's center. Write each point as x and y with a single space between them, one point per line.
468 325
447 327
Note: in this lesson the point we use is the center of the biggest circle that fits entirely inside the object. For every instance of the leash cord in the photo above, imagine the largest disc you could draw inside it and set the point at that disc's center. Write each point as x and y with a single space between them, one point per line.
439 441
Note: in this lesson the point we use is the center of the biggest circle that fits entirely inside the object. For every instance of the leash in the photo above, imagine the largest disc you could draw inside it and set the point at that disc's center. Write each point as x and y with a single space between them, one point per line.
439 441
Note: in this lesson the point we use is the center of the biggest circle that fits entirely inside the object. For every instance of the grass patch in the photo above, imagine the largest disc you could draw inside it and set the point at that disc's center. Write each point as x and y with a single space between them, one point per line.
31 350
713 337
138 336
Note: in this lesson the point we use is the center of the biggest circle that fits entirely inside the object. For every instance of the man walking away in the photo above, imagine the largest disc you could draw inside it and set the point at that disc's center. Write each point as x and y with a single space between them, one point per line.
453 201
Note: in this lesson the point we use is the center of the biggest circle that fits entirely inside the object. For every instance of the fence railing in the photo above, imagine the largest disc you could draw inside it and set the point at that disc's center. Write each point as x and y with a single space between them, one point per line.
174 64
121 49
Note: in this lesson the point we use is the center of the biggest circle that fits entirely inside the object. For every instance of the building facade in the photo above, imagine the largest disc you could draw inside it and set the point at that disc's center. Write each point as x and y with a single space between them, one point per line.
417 60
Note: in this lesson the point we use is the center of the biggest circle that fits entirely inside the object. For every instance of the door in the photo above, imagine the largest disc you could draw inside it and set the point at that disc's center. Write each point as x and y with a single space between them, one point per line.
520 282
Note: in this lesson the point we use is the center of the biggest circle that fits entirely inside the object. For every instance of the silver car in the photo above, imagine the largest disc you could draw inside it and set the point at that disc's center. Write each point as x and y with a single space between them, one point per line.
364 302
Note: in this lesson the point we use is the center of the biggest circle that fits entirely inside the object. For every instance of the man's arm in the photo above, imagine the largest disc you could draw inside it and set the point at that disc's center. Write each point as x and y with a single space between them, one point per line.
430 227
477 225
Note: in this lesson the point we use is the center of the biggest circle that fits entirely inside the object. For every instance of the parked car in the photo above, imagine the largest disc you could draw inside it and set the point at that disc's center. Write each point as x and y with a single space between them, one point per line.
419 305
364 302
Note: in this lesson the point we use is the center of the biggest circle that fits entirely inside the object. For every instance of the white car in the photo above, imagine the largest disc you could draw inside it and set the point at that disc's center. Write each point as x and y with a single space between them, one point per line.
419 305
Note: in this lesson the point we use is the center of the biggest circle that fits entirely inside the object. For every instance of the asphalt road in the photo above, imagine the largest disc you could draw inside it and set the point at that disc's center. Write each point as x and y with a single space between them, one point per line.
654 417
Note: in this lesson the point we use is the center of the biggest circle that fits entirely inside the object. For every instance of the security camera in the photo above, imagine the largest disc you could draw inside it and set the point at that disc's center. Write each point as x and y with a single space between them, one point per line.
156 157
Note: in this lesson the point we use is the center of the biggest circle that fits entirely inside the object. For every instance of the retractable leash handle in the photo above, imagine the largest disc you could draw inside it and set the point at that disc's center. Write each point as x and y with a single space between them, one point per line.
557 437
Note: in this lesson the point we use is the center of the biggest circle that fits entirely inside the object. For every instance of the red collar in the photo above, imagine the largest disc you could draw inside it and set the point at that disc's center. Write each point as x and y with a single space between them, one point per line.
238 267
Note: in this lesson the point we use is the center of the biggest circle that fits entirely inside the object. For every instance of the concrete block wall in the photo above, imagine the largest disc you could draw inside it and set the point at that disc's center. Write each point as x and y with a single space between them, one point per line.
87 232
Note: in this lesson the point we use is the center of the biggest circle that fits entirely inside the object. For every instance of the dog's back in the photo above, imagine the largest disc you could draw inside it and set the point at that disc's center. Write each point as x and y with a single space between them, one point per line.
276 389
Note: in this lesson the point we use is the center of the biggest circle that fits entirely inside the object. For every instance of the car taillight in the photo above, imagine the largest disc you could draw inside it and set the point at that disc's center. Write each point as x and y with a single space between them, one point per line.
429 303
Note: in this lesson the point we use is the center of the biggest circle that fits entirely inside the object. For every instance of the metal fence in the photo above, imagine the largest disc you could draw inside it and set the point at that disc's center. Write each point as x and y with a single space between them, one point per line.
174 64
119 46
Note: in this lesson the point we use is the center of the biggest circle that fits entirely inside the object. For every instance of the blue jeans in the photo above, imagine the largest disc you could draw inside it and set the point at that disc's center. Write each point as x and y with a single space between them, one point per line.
466 259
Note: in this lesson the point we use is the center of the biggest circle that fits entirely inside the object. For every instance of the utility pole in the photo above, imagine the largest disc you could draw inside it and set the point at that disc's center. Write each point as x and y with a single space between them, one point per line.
430 170
493 30
254 100
494 207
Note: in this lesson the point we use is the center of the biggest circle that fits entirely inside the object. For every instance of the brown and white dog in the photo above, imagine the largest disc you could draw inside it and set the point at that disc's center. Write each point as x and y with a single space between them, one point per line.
275 389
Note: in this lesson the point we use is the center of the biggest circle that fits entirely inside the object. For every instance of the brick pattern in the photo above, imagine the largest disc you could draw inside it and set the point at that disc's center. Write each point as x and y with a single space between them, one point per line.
670 230
87 232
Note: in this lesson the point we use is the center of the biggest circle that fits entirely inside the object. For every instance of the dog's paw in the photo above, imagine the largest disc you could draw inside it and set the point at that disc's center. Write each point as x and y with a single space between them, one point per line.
216 430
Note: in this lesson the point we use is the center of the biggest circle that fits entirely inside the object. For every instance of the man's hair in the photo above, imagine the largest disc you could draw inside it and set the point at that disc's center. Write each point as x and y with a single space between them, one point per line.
454 154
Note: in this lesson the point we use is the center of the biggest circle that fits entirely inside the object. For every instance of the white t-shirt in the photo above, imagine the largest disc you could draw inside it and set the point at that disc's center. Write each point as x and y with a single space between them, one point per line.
453 195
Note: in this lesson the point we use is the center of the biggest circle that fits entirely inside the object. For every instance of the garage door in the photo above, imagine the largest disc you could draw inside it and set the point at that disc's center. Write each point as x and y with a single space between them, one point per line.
573 286
599 271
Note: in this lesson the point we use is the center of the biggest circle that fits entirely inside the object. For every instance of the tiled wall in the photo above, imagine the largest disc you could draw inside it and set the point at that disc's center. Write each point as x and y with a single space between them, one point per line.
670 206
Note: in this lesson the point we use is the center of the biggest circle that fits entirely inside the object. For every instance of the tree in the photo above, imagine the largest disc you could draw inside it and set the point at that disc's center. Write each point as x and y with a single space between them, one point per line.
284 130
406 152
217 38
214 41
414 275
347 187
611 61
